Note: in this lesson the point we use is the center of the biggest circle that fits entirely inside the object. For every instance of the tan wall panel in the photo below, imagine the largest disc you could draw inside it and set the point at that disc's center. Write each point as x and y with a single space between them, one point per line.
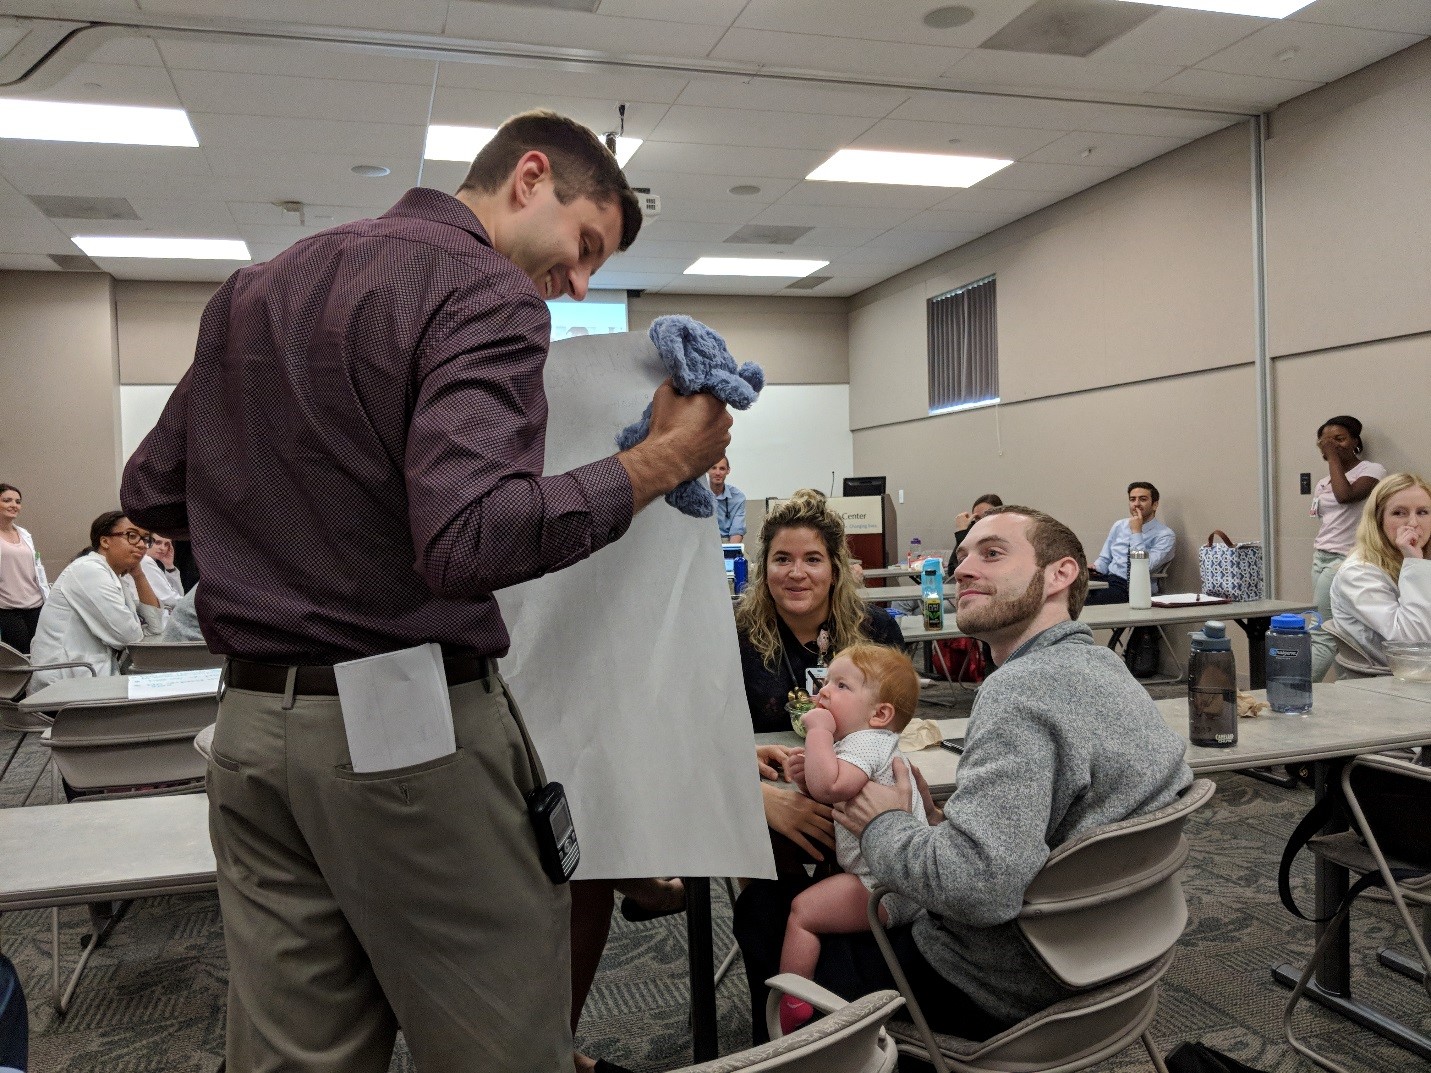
889 380
60 437
1348 185
1194 436
1381 384
796 340
157 324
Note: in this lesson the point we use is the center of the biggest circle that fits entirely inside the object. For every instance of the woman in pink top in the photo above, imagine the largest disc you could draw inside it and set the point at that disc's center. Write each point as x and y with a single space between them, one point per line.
23 586
1337 502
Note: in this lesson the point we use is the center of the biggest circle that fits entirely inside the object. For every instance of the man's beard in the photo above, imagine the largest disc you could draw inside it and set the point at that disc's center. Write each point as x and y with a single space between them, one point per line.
999 611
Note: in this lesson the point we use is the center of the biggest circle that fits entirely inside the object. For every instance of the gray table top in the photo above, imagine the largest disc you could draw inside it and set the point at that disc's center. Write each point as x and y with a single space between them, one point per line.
90 692
104 850
1113 616
1346 719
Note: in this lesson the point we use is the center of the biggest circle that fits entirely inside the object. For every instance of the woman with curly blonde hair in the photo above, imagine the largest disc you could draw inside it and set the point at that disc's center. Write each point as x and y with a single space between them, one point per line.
1383 590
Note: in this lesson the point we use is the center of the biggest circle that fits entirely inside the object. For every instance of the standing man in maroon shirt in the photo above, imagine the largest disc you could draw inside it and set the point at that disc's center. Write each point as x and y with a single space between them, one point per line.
356 454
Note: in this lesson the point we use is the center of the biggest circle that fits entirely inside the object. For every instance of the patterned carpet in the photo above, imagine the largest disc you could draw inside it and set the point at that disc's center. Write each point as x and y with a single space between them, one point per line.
152 999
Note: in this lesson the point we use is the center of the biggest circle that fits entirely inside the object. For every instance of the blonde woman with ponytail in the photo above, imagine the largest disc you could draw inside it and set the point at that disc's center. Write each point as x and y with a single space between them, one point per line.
1383 591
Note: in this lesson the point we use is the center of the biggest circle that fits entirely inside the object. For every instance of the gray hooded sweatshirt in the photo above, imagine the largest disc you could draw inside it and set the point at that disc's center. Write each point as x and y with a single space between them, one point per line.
1062 739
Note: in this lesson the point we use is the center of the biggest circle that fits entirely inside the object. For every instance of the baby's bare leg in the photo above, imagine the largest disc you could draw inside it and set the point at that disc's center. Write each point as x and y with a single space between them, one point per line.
833 906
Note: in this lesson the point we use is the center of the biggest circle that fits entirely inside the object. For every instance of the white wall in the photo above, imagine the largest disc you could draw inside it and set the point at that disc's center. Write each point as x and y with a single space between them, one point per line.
792 438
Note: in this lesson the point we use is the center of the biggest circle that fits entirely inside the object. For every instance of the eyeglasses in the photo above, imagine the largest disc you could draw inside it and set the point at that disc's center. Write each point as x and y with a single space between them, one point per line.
134 536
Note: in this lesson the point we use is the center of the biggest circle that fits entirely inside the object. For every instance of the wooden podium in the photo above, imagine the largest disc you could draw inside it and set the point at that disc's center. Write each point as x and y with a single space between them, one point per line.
871 531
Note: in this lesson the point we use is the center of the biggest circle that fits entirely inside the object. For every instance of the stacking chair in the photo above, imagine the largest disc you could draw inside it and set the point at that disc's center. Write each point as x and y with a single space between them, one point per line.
1351 656
15 672
1103 915
133 749
153 656
1358 850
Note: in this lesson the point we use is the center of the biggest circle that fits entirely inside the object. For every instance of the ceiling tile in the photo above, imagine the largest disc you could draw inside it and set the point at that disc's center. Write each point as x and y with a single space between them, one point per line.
1112 150
664 228
1240 91
108 83
293 59
1026 70
859 195
842 54
95 162
698 12
735 160
891 20
1404 16
1055 178
598 33
1007 111
135 51
1323 53
878 218
986 200
301 98
1011 143
687 184
1178 37
271 135
770 129
410 16
529 79
748 93
479 108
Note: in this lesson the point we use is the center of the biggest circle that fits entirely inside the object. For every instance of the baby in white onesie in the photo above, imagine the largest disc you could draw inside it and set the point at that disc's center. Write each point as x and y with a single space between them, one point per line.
852 736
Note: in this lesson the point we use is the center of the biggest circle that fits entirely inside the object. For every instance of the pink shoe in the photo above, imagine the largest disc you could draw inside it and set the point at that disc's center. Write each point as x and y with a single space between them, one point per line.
794 1014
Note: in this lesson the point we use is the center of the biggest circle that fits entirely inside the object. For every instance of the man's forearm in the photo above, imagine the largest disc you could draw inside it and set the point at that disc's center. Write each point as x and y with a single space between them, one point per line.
653 469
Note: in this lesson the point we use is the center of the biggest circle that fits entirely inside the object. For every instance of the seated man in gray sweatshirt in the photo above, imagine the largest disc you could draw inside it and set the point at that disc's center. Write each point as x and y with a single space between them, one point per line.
1061 739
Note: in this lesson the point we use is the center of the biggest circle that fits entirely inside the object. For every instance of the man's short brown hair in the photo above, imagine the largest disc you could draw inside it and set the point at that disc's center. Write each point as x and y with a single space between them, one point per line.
581 165
1052 541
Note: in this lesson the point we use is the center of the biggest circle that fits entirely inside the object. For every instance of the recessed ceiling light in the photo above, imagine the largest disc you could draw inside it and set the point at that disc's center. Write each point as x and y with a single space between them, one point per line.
905 169
946 18
371 171
183 249
753 266
464 143
1267 9
744 190
108 124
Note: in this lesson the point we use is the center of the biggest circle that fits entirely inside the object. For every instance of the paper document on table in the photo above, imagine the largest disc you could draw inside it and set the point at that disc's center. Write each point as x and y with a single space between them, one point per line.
396 710
174 684
1187 599
626 666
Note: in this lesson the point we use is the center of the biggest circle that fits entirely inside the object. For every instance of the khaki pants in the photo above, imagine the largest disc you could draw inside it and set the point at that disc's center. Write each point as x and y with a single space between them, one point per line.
355 904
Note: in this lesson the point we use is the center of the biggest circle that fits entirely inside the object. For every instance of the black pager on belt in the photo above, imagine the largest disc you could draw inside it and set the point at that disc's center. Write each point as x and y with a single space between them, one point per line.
556 834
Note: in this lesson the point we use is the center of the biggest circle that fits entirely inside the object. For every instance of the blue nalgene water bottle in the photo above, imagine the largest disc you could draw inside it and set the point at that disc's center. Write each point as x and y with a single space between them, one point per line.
1289 665
741 568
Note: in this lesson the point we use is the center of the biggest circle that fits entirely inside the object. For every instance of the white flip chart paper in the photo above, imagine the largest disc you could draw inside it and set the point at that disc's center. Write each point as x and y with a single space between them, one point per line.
625 665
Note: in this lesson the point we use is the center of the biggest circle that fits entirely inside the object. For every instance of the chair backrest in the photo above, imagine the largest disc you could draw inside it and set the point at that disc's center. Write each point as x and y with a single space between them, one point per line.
849 1040
140 743
153 656
1350 653
14 673
1110 901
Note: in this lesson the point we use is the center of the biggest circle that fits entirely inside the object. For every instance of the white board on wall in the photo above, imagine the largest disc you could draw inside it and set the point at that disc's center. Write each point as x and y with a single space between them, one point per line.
793 437
139 408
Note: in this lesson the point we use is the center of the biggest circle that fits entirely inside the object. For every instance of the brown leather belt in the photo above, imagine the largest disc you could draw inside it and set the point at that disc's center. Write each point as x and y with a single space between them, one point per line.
319 680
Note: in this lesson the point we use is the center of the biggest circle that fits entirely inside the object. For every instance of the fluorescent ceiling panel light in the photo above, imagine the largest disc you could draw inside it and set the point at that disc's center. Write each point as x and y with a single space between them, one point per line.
753 266
183 249
110 124
905 169
464 143
1266 9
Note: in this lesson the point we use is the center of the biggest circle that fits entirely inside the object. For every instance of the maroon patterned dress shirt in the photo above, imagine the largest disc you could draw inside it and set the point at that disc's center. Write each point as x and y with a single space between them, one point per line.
356 452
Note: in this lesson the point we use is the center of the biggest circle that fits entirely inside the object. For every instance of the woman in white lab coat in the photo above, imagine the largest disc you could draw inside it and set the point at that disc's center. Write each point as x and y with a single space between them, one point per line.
1383 591
100 604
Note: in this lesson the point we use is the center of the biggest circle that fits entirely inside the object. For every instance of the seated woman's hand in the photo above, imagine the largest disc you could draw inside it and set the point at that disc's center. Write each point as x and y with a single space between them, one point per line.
771 760
801 819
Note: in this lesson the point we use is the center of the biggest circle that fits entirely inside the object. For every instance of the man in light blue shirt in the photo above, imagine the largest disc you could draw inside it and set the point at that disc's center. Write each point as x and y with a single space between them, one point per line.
730 504
1139 530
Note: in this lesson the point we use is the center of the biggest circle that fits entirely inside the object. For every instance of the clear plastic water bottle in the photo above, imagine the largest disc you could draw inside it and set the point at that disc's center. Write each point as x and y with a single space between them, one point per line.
1289 665
916 552
1212 688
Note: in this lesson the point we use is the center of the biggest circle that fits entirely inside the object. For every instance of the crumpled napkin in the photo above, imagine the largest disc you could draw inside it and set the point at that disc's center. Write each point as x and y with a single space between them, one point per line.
920 734
1249 707
697 359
